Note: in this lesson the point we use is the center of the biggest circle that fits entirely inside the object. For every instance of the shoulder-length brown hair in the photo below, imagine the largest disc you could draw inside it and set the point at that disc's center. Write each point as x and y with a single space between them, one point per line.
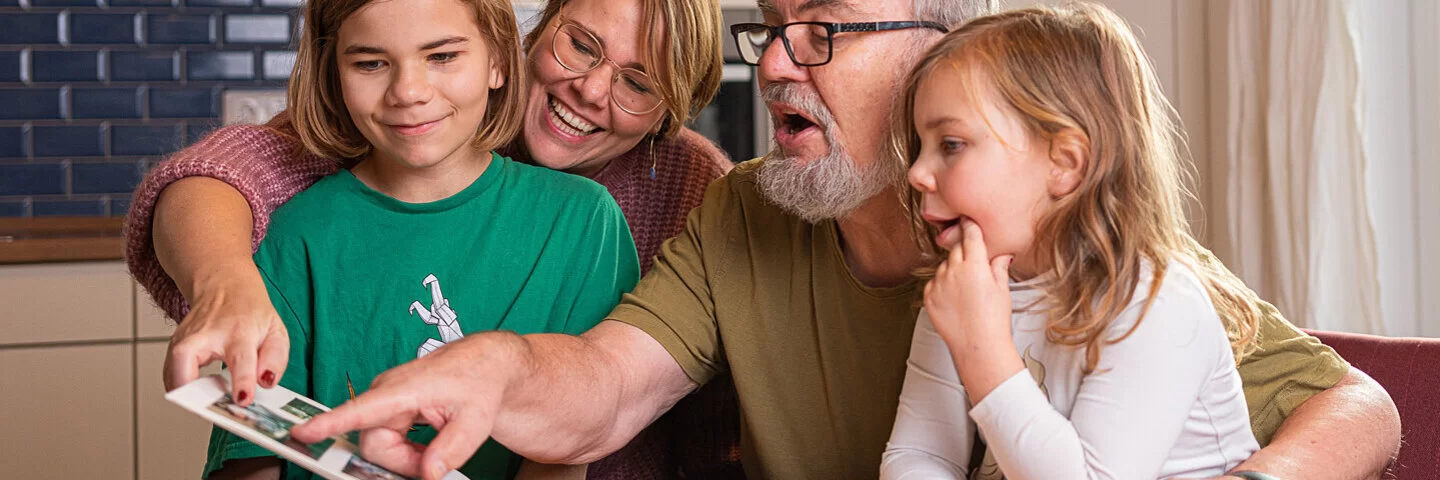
1079 71
317 105
685 40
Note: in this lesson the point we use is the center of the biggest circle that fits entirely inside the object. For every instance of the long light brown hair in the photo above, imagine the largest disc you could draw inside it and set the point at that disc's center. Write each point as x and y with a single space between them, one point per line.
317 105
1077 73
683 47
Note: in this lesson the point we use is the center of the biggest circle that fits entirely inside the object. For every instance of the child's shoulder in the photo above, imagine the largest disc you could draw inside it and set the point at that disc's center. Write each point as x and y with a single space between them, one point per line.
317 205
545 188
1182 308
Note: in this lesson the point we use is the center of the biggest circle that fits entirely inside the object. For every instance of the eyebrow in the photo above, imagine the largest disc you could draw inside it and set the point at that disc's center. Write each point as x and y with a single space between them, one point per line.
938 122
369 49
591 31
768 8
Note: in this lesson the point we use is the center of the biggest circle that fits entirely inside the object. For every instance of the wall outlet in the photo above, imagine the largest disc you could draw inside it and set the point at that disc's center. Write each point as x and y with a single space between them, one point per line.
251 106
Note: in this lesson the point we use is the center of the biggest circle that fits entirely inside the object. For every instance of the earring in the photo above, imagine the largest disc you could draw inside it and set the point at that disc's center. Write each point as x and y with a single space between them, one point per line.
652 157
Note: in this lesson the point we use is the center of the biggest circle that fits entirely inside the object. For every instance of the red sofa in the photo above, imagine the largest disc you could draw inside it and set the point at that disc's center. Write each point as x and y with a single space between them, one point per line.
1409 368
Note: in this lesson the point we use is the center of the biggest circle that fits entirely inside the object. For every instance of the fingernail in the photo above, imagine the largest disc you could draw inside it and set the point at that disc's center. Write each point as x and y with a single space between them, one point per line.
268 378
240 397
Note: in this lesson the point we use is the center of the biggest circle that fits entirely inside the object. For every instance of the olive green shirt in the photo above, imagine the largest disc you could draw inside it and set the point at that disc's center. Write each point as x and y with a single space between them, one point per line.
818 358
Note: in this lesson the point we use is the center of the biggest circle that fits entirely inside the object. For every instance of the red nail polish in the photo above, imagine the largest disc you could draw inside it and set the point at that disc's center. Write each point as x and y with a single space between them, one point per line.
240 397
268 378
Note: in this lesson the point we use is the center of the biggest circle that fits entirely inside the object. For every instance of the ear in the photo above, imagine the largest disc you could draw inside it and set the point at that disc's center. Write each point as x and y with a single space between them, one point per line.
1069 154
497 76
660 123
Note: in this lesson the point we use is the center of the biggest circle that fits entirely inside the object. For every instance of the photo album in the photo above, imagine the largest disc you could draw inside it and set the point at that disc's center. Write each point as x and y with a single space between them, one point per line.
267 421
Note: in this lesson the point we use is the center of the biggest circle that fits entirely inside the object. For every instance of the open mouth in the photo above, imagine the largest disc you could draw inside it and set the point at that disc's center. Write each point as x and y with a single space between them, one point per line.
791 122
567 121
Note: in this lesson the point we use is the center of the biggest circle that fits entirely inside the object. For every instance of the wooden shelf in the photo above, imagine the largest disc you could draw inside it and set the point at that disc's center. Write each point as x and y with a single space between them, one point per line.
60 239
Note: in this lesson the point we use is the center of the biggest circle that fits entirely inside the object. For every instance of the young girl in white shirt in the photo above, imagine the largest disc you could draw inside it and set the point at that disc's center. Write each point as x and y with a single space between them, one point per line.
1070 320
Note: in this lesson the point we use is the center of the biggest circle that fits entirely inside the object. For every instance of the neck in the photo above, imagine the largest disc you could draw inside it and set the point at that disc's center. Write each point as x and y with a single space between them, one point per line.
877 241
422 184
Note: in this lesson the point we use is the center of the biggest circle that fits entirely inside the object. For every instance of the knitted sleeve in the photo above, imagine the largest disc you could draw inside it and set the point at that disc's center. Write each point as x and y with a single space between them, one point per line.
264 162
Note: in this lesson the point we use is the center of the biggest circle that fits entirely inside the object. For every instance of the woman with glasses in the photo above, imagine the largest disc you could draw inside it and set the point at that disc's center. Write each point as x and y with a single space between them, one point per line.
611 84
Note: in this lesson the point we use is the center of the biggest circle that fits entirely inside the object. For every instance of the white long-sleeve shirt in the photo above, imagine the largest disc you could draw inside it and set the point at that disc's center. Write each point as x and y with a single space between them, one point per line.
1165 402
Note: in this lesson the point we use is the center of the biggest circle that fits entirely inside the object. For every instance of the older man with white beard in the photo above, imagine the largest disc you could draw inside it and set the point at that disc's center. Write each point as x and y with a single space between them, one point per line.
794 276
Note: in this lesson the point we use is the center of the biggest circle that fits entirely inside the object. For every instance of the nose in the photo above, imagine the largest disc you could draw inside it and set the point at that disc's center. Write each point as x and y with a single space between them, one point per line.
921 176
593 86
776 65
410 85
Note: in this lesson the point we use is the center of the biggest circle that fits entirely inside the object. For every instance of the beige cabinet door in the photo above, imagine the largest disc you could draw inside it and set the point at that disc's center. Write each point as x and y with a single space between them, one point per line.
66 302
67 412
172 441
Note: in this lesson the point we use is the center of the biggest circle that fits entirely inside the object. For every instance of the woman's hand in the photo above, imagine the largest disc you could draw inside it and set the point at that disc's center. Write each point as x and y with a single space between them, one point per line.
231 319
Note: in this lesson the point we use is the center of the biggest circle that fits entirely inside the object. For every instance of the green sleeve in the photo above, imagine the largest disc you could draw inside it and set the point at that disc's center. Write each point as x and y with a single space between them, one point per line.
1286 368
611 266
226 446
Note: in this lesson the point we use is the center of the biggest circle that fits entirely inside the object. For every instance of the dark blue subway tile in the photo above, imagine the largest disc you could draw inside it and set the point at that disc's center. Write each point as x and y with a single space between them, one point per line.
12 208
184 103
104 177
119 207
278 64
220 65
144 139
172 29
29 103
69 141
11 69
194 131
32 179
280 3
67 3
29 28
105 103
102 28
142 3
219 3
13 142
258 28
69 208
145 66
65 66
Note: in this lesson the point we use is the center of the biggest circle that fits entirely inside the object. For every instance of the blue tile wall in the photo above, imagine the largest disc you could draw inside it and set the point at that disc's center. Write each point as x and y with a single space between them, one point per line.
95 92
14 142
144 139
69 208
105 102
102 28
10 66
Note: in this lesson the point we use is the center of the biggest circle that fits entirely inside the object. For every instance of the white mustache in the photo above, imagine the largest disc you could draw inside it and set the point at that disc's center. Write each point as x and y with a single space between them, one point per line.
804 98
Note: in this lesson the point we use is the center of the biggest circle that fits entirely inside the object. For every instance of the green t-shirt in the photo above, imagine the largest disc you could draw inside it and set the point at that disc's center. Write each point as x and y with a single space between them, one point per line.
365 282
818 358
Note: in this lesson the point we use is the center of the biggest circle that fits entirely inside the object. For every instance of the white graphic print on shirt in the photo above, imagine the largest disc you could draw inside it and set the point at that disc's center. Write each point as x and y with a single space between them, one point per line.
439 314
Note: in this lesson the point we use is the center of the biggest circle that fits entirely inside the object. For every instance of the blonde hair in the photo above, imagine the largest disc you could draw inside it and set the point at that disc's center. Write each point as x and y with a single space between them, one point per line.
685 39
1077 73
317 104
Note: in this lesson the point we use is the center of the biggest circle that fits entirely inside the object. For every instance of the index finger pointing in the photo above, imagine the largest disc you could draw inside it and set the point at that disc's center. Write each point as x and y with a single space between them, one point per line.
374 408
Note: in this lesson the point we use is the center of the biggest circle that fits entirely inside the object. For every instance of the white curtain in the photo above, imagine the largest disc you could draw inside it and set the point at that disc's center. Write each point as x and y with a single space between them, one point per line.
1287 185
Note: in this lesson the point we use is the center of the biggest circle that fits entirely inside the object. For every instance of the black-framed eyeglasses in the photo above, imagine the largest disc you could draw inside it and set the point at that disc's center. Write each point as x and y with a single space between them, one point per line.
810 44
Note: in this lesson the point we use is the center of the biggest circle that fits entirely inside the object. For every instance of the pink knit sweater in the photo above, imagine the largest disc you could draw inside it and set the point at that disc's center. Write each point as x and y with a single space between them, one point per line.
700 436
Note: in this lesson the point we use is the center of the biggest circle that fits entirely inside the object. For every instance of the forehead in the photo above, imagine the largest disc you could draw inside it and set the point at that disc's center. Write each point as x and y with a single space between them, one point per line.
870 10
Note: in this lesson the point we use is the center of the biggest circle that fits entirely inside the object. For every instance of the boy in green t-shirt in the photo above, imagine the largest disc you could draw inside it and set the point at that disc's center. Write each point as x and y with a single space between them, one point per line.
429 236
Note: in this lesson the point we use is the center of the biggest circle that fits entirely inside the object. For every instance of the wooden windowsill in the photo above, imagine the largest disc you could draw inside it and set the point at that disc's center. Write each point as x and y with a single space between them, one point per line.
60 239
